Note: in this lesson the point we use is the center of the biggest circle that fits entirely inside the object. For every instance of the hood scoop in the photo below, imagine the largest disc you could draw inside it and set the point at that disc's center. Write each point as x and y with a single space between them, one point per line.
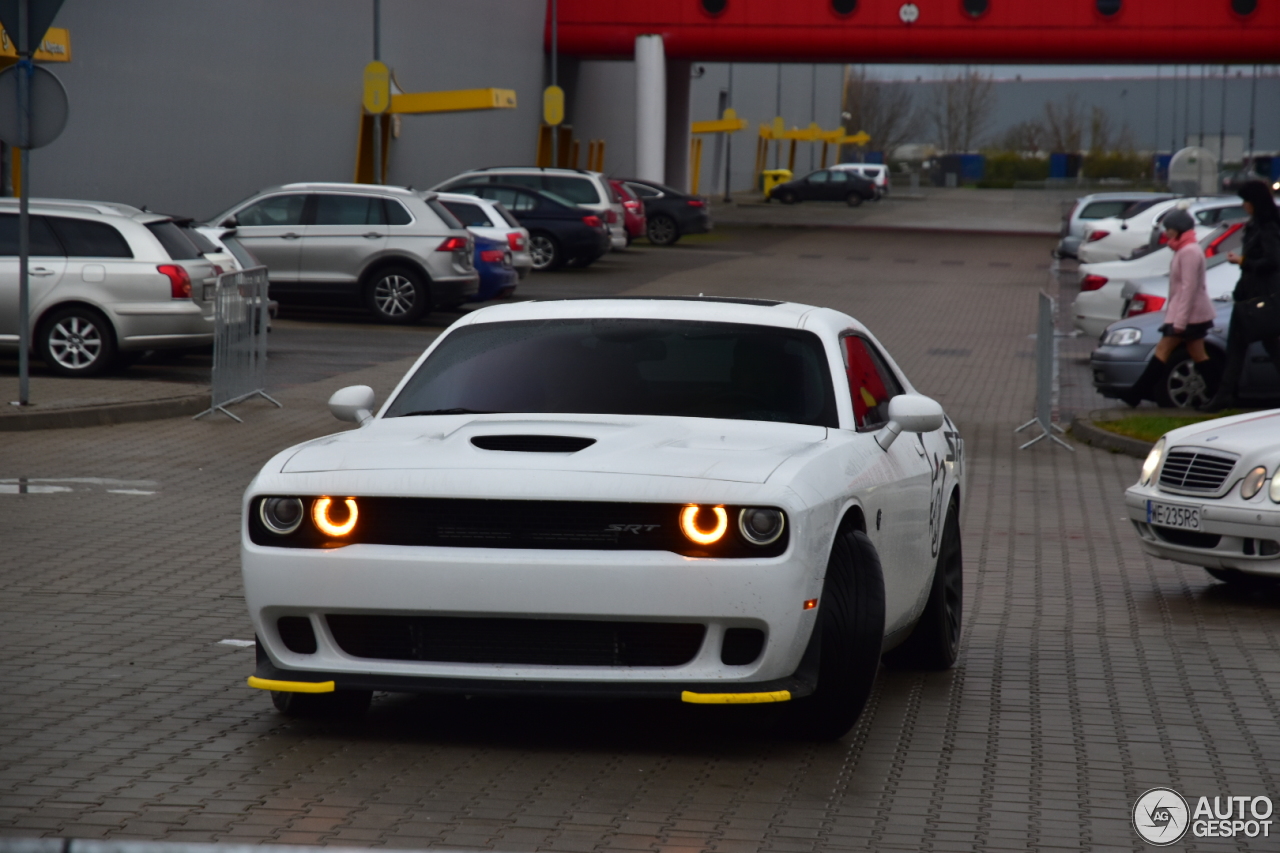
533 443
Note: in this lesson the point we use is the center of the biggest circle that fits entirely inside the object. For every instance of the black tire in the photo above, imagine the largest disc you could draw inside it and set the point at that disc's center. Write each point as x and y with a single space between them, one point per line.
76 340
397 295
1242 580
546 251
850 631
788 197
935 641
853 199
1185 385
661 230
341 704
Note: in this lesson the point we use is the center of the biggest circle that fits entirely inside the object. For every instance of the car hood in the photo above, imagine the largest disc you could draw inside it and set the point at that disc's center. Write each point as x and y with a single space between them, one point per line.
1254 436
701 448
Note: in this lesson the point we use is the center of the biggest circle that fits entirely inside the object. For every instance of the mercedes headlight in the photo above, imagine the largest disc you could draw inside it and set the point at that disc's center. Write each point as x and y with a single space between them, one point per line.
1253 482
1274 491
1152 464
1126 337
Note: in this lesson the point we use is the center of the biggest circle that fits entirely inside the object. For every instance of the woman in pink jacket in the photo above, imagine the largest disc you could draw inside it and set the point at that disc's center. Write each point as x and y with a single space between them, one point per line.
1190 313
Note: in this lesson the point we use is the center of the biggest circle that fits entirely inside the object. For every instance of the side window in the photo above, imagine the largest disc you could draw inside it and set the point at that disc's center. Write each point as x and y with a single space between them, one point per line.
577 190
819 177
274 210
84 238
468 214
1231 214
348 210
871 383
643 191
172 238
531 181
43 243
396 214
450 221
839 176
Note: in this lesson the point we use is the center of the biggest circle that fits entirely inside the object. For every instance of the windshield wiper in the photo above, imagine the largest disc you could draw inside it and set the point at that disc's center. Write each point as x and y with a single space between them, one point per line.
448 412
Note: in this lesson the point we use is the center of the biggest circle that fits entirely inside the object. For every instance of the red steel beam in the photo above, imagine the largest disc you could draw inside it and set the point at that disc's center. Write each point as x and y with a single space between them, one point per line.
1023 31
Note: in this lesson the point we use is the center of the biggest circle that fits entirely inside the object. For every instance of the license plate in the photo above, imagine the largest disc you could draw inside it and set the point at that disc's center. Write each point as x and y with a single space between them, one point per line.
1171 515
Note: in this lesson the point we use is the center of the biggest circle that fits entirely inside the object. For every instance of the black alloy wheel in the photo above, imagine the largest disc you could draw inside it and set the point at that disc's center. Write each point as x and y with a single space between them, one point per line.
397 295
935 641
1186 384
662 230
76 341
854 198
849 630
340 704
545 251
788 197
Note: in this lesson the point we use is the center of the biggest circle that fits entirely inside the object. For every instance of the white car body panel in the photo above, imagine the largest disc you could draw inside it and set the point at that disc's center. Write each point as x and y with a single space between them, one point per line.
1124 235
814 474
1255 439
1094 310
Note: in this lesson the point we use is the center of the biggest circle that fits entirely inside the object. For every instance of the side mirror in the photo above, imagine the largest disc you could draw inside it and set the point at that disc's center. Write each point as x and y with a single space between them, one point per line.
230 222
909 413
353 403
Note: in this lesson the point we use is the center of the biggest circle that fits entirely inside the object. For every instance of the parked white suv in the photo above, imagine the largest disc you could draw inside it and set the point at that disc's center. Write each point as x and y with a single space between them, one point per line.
585 189
104 279
396 250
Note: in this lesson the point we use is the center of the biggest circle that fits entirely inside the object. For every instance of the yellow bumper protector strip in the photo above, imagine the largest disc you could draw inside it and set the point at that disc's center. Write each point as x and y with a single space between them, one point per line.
735 698
291 686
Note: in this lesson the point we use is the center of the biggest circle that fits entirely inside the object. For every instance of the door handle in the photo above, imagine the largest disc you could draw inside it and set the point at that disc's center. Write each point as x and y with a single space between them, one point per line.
290 236
373 235
40 271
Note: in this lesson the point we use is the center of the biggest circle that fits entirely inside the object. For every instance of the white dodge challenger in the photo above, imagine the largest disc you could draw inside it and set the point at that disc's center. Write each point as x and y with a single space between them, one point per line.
1209 495
710 500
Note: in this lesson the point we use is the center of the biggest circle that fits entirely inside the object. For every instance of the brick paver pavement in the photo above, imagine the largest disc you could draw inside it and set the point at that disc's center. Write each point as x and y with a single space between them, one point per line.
1088 673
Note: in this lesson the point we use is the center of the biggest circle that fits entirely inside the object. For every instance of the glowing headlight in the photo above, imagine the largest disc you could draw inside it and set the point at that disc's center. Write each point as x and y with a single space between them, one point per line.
280 515
760 526
690 517
1252 482
1125 337
1274 491
320 514
1152 464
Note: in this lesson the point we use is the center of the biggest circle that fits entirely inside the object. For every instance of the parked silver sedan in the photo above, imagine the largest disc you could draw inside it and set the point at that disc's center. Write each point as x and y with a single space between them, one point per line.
396 251
105 279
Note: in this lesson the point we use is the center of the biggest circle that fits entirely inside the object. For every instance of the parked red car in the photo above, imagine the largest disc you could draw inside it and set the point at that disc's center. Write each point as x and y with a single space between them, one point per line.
632 210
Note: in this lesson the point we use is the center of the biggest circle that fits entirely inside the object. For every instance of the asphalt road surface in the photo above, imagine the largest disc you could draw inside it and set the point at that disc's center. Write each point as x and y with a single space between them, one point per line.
1088 672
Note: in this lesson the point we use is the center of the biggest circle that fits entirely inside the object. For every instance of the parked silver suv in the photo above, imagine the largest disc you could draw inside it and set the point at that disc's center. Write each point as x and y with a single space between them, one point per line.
397 251
105 279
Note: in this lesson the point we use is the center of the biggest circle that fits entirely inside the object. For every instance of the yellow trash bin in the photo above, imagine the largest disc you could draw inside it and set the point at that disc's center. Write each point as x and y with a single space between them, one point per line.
770 178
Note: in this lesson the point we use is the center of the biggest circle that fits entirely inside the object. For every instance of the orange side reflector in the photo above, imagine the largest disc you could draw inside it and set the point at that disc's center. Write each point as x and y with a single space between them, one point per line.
810 604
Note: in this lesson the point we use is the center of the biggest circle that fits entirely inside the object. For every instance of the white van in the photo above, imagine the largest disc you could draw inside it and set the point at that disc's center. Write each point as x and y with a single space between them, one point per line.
876 173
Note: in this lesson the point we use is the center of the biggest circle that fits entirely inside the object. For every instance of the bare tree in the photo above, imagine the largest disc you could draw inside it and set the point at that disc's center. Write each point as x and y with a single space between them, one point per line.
961 110
1100 134
1064 125
885 111
1025 136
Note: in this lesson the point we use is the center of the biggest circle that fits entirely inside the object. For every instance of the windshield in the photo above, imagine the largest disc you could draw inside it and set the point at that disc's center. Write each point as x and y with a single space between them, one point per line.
625 367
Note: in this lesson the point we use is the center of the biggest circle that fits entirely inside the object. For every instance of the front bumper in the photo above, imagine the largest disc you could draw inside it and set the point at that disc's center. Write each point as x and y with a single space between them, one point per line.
1234 531
1116 369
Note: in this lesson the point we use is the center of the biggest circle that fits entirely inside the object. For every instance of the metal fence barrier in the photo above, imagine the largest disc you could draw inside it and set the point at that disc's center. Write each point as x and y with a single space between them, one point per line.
241 321
1046 376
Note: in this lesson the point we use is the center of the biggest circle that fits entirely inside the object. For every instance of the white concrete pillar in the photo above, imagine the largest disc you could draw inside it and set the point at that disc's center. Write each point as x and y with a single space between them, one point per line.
679 83
651 108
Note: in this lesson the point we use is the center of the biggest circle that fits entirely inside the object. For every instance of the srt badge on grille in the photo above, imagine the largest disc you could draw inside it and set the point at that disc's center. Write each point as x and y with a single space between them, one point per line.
632 528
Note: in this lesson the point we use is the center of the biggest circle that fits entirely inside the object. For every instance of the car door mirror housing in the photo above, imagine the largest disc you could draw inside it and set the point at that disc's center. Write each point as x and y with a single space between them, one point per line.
353 403
230 222
910 413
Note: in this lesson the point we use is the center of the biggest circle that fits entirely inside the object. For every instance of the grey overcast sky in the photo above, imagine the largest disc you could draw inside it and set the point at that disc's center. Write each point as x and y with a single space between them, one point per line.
1060 72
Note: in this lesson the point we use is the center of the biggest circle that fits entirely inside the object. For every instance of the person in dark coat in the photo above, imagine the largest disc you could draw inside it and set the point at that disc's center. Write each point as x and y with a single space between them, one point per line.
1256 315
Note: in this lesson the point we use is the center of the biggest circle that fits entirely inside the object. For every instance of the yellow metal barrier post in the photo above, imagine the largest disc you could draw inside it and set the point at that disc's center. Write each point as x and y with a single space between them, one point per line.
695 158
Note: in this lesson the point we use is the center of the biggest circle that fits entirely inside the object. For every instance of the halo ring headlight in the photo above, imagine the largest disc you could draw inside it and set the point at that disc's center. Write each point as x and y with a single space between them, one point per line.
281 516
1274 491
1152 463
320 515
703 536
761 526
1253 482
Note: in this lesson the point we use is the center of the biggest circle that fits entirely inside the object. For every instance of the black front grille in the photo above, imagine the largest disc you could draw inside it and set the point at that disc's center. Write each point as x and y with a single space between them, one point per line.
533 443
470 523
1187 538
1195 471
535 642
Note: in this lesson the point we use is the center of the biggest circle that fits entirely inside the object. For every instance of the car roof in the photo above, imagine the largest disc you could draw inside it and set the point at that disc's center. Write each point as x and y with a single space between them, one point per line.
106 208
549 170
1134 196
344 187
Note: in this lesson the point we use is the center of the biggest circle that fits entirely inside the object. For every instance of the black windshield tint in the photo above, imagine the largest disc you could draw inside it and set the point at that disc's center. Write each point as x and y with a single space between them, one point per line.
348 210
84 238
469 215
43 243
1103 209
626 367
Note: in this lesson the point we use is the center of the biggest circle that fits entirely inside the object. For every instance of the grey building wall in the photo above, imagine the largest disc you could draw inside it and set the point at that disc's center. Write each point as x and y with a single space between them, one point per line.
189 105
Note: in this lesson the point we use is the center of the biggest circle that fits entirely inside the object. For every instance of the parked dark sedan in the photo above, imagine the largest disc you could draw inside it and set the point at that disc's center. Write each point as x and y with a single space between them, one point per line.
826 185
670 214
560 232
1126 346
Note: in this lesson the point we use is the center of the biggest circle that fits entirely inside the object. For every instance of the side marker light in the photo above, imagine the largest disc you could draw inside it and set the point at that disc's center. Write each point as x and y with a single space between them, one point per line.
320 515
702 536
810 604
